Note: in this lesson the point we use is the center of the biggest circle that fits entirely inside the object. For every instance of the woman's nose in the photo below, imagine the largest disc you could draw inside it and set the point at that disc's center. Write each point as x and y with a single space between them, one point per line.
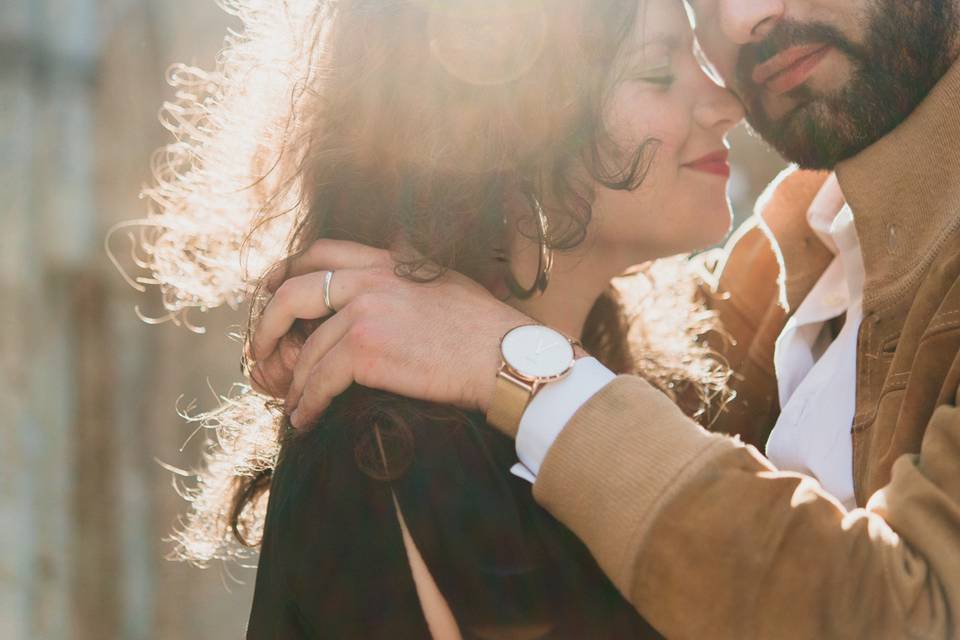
746 21
719 109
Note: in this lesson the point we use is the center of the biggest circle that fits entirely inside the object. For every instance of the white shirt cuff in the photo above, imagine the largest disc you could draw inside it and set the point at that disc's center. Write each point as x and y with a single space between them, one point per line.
551 409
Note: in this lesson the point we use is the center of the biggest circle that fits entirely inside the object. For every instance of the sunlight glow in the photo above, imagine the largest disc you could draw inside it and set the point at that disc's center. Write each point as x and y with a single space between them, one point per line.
490 45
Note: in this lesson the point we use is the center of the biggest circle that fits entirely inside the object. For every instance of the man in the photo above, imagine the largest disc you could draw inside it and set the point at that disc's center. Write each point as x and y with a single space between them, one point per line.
847 287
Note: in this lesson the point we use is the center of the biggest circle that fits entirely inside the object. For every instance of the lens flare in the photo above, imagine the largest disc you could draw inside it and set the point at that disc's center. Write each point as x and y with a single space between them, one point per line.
490 45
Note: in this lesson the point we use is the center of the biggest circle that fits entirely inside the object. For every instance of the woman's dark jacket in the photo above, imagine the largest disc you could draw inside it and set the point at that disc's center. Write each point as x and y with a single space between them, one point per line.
333 562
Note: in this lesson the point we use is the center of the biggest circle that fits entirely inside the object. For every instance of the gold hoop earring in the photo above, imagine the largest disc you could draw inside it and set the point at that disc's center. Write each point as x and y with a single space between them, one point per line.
544 260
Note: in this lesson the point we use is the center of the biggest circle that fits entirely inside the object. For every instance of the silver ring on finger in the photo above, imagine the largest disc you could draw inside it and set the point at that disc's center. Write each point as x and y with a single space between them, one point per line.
327 279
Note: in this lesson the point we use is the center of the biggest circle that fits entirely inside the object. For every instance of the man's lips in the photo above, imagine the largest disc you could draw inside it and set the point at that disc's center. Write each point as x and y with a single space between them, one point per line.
716 163
790 68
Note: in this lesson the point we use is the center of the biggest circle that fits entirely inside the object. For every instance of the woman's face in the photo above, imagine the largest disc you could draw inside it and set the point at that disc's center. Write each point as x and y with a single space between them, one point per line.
662 92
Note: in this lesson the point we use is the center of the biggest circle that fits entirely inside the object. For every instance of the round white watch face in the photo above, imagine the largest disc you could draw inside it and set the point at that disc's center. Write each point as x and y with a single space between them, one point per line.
537 351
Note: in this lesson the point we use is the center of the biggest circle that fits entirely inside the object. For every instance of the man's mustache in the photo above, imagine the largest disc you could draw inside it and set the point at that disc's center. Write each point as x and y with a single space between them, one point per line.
785 36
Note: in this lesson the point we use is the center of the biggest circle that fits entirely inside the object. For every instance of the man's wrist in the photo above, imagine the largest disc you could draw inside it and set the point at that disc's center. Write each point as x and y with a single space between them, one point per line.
529 356
553 407
486 384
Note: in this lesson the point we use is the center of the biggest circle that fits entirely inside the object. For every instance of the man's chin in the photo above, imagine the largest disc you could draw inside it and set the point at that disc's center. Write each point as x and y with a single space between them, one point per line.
778 109
807 136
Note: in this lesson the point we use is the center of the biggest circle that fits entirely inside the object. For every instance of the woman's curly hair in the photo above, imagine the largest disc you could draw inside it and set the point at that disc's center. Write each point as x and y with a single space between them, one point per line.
380 121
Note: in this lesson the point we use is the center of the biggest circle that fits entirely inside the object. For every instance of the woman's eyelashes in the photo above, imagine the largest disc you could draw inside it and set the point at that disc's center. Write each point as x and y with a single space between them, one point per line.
661 76
663 81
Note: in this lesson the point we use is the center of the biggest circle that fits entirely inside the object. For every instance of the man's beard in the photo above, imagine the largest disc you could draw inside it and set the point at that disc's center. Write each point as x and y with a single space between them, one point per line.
908 48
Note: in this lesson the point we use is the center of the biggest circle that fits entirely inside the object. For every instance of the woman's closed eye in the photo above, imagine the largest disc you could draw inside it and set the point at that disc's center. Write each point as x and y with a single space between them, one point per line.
662 76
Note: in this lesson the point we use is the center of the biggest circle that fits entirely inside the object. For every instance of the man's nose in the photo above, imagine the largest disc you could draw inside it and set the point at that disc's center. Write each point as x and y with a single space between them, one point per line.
746 21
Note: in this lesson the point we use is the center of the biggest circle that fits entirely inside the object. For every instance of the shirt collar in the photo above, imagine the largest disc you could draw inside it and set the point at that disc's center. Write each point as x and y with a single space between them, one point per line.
905 193
841 284
824 210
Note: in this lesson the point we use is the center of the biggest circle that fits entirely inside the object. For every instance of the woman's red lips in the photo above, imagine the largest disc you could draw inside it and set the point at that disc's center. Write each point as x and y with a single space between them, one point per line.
716 163
789 68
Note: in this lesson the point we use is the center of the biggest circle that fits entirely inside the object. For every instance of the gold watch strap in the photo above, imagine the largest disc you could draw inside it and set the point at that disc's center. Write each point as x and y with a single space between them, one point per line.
510 399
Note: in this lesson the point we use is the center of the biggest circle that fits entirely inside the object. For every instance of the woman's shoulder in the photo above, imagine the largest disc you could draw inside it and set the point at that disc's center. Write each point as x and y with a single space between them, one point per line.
494 554
360 453
449 472
331 522
332 558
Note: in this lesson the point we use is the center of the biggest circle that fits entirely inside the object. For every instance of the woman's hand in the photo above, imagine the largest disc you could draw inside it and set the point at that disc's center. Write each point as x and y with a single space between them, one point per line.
437 341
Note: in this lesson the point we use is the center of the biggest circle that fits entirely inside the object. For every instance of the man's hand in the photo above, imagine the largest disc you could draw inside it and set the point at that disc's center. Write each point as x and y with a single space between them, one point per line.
437 341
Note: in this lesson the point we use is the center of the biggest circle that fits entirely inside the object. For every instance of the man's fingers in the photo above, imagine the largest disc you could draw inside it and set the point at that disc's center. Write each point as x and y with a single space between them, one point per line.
272 377
330 377
325 254
314 349
302 298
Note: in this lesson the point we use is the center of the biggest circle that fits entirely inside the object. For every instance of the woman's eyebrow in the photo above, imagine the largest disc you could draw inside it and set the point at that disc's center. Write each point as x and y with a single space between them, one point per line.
658 45
669 41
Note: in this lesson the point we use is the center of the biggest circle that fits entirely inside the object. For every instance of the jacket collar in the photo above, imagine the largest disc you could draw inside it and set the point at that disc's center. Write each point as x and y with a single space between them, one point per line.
904 191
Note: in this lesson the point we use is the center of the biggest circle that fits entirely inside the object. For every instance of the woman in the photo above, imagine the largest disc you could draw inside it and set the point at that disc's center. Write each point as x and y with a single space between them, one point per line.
477 136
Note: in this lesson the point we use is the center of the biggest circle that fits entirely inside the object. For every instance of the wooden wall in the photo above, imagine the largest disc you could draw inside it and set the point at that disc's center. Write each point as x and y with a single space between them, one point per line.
89 392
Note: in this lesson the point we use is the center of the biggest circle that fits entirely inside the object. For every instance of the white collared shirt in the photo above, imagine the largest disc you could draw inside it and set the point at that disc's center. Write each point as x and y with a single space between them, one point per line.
816 375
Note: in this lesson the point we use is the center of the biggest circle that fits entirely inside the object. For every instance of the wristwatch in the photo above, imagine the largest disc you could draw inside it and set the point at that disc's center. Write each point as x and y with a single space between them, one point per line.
531 356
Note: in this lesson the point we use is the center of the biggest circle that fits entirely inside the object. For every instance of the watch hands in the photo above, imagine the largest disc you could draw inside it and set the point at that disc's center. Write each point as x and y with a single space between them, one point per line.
541 348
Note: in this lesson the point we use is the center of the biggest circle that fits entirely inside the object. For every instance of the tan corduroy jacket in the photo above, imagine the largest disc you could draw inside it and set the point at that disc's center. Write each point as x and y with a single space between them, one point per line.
699 530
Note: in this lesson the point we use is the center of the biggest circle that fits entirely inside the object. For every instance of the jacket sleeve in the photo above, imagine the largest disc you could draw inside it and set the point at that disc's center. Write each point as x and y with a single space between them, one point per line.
685 521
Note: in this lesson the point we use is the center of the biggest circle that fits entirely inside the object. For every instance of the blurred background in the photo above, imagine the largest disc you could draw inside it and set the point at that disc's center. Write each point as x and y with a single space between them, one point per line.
89 391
